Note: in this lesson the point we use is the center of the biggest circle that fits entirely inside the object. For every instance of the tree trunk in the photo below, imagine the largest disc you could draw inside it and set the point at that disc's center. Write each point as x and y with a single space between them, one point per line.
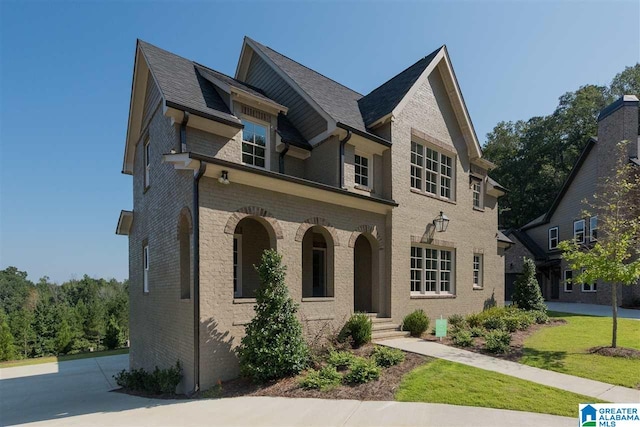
614 306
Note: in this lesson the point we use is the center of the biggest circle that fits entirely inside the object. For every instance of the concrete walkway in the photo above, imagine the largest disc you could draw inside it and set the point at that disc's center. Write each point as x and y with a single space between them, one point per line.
592 310
608 392
76 393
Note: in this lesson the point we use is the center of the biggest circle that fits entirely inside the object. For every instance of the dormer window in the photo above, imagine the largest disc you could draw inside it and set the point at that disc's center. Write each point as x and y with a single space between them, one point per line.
255 144
362 170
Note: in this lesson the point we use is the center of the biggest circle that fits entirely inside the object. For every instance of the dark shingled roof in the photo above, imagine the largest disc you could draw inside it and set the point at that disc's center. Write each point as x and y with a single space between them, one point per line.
337 100
382 100
538 253
289 134
206 71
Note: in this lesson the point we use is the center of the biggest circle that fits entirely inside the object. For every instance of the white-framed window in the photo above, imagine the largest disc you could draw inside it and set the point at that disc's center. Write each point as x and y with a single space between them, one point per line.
432 271
477 270
553 238
476 188
362 170
237 265
589 287
578 230
145 269
593 228
255 144
568 280
147 162
431 171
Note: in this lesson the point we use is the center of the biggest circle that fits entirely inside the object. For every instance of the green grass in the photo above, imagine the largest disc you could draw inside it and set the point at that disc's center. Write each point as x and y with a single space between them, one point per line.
39 360
565 348
452 383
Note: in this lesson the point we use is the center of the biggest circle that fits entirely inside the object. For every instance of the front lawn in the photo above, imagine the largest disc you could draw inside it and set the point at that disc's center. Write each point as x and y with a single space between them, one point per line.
565 349
441 381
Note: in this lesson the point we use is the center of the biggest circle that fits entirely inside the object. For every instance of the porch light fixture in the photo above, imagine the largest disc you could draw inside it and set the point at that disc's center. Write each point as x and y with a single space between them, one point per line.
441 222
224 178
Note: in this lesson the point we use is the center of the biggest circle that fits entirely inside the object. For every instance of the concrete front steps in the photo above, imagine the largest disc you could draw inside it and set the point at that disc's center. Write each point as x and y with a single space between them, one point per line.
384 328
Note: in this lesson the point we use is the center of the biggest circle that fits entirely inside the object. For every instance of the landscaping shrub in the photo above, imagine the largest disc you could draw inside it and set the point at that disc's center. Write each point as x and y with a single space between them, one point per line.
160 381
474 320
362 371
462 338
323 379
456 321
540 316
385 356
527 295
497 341
477 331
273 346
494 322
358 328
511 323
340 359
416 323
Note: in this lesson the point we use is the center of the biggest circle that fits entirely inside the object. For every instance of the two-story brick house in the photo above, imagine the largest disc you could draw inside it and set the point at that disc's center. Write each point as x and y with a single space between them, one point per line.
565 220
348 188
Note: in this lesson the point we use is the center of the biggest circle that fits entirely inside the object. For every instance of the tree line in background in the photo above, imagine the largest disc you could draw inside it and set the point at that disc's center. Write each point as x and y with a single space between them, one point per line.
535 157
46 319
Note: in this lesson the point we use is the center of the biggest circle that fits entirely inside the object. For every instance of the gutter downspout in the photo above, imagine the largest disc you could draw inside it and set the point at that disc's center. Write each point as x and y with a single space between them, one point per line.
183 132
341 164
196 276
281 159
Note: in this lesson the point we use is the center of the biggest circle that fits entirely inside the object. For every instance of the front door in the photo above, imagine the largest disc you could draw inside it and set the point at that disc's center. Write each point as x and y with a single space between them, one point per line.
362 275
555 284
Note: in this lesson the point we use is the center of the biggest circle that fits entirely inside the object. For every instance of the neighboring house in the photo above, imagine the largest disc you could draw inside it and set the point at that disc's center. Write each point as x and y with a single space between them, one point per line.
565 220
348 188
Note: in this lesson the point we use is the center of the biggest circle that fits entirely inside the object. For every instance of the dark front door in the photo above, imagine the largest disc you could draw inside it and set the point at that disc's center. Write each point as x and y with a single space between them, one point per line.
555 284
362 275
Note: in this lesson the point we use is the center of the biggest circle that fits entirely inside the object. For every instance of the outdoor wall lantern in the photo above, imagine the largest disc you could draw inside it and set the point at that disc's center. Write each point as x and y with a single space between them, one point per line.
441 222
224 178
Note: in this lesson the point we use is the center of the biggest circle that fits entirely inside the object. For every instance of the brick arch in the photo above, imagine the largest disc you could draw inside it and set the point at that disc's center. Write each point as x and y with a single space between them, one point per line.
366 229
246 211
310 222
185 212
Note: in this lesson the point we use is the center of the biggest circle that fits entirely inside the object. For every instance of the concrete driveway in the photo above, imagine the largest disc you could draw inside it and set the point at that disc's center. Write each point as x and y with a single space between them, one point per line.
76 393
592 310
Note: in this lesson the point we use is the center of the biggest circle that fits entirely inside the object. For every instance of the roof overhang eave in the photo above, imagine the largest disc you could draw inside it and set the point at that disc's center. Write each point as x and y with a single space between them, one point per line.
124 223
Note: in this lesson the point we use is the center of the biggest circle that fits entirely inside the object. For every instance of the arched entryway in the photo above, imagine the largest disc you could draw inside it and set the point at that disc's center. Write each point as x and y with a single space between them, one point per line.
252 236
364 273
317 263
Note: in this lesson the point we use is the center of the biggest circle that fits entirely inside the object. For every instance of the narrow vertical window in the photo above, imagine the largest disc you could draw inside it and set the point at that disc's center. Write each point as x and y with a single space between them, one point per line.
145 271
431 270
362 170
578 231
568 281
445 176
477 270
147 163
416 268
593 228
431 171
445 272
553 238
255 144
417 164
237 265
476 187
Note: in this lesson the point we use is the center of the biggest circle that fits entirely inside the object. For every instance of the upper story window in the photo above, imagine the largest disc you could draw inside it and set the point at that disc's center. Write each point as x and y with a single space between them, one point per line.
553 238
431 271
255 144
147 162
593 228
362 170
477 270
476 188
145 268
431 171
578 231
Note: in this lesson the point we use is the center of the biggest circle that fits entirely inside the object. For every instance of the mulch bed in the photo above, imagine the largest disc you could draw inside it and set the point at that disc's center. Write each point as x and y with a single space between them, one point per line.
517 341
627 353
382 389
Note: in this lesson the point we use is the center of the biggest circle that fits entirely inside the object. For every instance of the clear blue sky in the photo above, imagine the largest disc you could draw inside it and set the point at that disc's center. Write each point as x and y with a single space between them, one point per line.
66 73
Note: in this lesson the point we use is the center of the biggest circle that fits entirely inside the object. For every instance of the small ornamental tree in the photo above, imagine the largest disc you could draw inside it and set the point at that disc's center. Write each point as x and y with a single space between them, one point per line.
527 295
615 256
273 346
7 350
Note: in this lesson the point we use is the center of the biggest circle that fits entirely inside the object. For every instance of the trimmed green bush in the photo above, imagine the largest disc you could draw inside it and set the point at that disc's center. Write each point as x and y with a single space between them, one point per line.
385 356
497 341
456 321
540 316
160 381
273 346
495 322
474 320
477 332
527 295
326 378
416 323
462 338
362 371
358 328
340 359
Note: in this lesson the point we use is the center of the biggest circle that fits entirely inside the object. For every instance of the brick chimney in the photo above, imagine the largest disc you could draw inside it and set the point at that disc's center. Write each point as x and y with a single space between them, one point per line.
617 122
